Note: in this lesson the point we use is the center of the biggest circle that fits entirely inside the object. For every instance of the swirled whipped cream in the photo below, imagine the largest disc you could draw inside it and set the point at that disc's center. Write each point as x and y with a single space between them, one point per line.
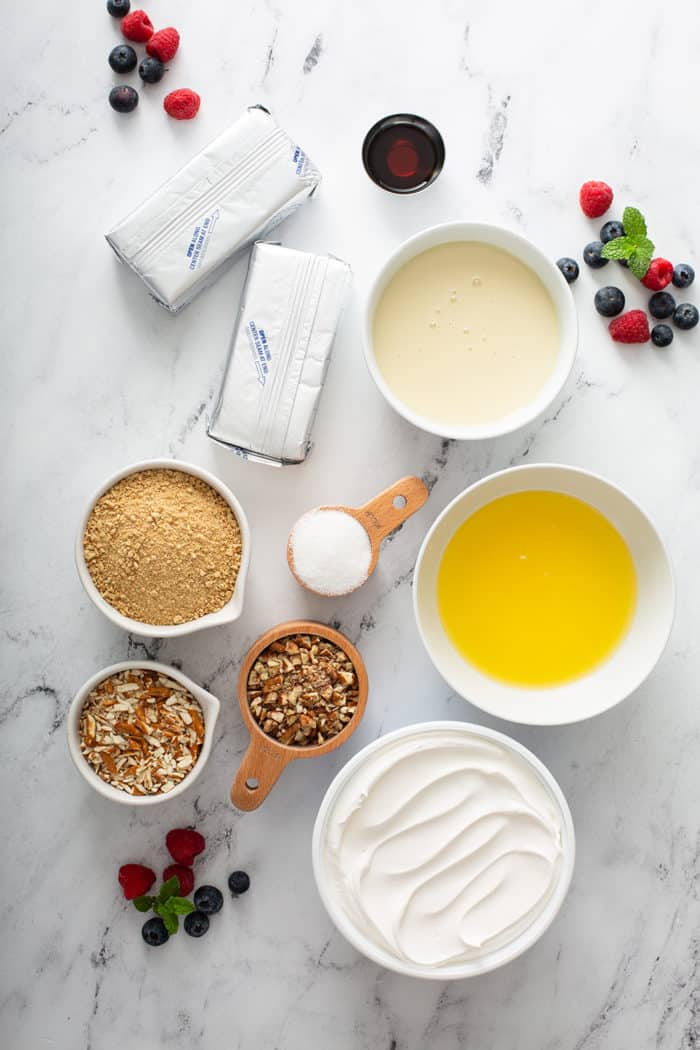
442 846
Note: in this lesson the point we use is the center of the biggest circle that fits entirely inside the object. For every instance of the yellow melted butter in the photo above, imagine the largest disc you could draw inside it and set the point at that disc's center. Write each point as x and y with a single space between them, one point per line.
536 588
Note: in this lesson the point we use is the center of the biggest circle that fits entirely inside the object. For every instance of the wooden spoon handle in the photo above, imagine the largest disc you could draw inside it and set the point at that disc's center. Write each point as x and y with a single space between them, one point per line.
381 515
258 773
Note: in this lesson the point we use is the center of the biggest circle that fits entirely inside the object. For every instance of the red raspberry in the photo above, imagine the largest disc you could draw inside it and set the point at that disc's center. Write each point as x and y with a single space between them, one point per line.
164 44
137 26
631 327
185 877
182 104
135 880
595 198
658 275
184 844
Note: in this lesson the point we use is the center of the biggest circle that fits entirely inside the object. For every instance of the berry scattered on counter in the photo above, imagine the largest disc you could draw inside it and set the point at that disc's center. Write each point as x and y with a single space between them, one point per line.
184 844
164 44
151 70
631 327
592 256
609 301
569 268
154 932
196 923
118 8
137 26
122 58
182 104
185 876
135 880
123 99
661 335
238 882
683 275
208 899
658 275
685 316
610 231
595 198
661 304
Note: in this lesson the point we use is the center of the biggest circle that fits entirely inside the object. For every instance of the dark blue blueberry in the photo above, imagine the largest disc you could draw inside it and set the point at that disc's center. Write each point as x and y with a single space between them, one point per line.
610 230
151 70
208 899
661 335
238 882
123 98
609 301
118 8
683 275
662 304
196 923
685 316
122 58
592 256
569 267
154 932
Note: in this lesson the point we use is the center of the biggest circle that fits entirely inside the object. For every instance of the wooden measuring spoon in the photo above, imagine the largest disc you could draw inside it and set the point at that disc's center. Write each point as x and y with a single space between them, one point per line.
266 757
379 517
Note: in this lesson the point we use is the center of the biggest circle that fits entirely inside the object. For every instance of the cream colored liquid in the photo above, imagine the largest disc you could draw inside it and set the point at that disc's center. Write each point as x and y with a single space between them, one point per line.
465 333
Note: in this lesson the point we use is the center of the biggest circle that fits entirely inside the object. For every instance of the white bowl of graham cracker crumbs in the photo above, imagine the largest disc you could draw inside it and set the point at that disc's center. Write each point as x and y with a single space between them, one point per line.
140 732
163 549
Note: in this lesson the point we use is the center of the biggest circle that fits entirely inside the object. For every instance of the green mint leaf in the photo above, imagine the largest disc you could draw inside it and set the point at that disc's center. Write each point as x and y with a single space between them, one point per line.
143 903
169 889
171 923
180 905
634 223
618 248
639 264
645 246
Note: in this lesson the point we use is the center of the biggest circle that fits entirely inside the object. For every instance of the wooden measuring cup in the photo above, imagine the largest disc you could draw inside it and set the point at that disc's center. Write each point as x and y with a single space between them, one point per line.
266 757
379 517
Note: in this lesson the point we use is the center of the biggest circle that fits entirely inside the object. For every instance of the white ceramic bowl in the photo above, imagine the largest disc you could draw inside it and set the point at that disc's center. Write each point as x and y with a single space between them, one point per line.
553 281
628 665
227 614
210 709
490 960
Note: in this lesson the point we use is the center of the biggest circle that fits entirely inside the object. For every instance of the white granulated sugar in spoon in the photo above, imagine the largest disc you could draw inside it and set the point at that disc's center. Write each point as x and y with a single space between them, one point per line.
330 551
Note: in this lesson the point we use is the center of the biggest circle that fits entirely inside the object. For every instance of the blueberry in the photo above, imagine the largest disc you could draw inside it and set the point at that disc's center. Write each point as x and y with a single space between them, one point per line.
196 923
208 899
610 230
238 882
592 256
118 8
662 304
623 262
122 58
661 335
154 932
685 316
569 267
151 70
609 301
683 275
124 99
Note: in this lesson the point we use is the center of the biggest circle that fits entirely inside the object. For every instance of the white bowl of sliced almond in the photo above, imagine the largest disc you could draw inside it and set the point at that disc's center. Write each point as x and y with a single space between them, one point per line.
140 732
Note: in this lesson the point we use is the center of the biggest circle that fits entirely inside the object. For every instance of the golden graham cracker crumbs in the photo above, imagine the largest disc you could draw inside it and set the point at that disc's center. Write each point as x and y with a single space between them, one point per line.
163 547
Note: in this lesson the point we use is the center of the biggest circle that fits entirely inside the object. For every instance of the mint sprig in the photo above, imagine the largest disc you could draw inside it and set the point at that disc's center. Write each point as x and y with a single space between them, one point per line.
168 905
634 245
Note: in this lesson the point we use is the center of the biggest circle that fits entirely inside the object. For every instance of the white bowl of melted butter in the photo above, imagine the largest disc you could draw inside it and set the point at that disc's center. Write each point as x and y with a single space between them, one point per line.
470 330
443 850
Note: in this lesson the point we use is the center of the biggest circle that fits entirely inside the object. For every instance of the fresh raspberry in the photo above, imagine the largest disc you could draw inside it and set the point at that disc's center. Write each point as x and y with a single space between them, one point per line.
135 880
631 327
185 877
658 275
595 198
184 844
182 104
137 26
164 44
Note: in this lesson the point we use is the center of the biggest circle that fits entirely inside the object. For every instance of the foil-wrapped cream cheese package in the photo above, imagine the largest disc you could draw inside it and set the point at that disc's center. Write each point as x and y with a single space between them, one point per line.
281 346
234 192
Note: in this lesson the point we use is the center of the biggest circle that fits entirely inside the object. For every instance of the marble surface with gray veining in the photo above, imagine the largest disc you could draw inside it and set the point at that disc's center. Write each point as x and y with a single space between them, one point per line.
531 99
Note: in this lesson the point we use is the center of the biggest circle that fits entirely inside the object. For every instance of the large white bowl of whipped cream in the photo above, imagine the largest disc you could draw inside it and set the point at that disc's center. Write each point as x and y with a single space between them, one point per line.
443 850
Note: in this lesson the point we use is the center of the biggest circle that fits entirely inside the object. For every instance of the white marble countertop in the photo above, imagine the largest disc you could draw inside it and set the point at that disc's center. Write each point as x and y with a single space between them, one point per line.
97 376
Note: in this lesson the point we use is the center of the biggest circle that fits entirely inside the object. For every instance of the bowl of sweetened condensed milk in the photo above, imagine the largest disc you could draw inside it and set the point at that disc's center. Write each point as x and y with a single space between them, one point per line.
470 331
